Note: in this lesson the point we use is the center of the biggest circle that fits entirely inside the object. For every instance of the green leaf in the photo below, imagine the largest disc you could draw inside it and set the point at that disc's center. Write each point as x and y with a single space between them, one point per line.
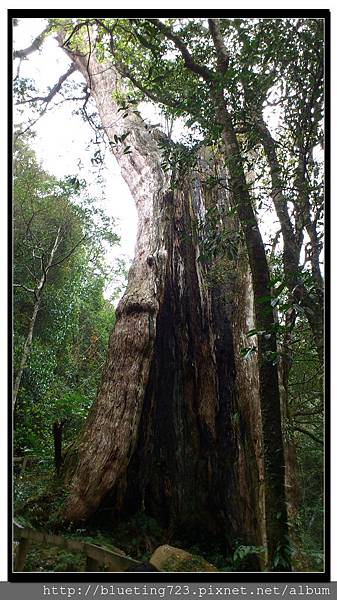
248 352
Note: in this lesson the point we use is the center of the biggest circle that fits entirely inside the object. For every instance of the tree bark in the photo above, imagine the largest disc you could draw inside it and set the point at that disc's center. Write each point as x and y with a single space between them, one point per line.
273 451
162 435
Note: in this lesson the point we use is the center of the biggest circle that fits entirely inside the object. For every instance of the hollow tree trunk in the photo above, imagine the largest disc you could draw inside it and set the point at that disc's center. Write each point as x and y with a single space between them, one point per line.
162 434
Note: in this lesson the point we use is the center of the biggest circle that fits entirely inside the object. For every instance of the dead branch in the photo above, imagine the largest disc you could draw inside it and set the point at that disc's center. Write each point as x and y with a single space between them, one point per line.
35 45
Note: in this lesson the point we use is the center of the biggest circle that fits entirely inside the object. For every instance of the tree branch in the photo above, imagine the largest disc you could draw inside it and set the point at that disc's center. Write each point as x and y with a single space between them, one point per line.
190 62
124 71
35 45
220 48
20 285
55 89
309 434
46 99
61 260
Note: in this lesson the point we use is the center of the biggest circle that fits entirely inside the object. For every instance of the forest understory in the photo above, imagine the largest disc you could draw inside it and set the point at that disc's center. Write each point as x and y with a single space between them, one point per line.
140 535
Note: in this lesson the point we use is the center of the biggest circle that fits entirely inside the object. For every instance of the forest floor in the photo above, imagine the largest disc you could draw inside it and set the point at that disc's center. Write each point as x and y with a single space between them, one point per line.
137 537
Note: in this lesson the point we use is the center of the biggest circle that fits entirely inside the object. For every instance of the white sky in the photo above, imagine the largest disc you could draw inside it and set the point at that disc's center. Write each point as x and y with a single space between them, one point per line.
122 196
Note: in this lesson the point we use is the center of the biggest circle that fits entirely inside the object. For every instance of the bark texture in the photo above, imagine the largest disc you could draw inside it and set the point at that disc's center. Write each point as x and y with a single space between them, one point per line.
163 435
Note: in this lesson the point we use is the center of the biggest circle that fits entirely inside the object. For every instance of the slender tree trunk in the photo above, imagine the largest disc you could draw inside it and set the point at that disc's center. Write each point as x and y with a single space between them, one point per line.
242 317
26 351
297 293
291 465
162 435
313 305
29 339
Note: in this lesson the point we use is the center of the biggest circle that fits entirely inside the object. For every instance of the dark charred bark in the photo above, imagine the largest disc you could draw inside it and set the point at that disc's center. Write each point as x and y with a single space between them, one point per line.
273 451
182 471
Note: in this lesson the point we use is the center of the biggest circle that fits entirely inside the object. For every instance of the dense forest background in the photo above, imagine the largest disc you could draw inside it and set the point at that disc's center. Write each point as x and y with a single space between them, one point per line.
217 344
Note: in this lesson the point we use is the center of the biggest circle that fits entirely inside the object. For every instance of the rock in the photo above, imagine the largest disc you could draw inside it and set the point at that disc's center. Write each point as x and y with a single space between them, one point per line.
168 558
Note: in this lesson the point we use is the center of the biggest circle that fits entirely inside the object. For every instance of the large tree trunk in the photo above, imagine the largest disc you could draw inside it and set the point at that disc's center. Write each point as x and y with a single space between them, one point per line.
164 434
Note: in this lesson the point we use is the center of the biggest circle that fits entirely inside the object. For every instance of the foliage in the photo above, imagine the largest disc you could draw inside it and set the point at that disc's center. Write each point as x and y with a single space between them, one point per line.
242 552
74 320
305 427
43 558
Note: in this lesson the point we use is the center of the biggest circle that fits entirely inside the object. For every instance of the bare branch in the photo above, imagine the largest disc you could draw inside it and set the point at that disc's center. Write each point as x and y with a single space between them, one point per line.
89 54
309 434
46 100
29 290
190 62
31 273
54 90
61 260
35 45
